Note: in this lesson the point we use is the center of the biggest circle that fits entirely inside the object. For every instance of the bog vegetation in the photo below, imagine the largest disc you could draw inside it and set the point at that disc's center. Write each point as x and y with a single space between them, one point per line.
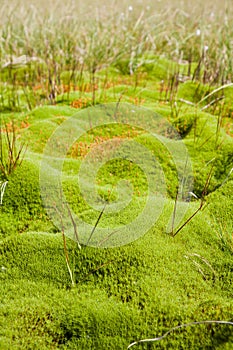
57 59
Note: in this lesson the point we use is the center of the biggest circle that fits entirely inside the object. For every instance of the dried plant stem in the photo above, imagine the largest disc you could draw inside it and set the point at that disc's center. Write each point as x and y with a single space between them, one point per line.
67 258
198 209
174 211
187 221
13 158
99 217
2 190
65 248
96 224
178 327
213 92
74 226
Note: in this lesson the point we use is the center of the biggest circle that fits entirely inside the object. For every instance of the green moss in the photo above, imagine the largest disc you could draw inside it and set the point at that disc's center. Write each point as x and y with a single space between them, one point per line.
142 289
47 112
23 194
22 205
193 92
123 294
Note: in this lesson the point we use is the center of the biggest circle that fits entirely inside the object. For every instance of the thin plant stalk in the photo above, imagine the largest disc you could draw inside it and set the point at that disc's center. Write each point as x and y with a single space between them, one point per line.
65 248
15 156
98 219
2 190
202 203
178 327
74 226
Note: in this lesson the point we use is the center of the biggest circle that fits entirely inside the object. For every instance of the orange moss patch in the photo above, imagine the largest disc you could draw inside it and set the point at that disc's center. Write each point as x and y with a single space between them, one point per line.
228 127
137 100
81 102
82 148
16 127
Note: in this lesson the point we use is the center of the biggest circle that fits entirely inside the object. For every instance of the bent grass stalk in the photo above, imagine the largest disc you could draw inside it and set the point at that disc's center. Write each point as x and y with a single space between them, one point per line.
215 101
178 327
191 257
214 91
2 190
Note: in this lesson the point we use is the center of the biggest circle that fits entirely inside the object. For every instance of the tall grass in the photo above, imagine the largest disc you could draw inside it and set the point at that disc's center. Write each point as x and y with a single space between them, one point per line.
63 42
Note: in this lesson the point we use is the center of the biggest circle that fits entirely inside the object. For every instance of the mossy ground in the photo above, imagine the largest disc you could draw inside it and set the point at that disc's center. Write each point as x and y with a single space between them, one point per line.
142 289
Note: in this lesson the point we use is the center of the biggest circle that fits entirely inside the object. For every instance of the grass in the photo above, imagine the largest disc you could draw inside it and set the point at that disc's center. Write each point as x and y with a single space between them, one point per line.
11 154
131 104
